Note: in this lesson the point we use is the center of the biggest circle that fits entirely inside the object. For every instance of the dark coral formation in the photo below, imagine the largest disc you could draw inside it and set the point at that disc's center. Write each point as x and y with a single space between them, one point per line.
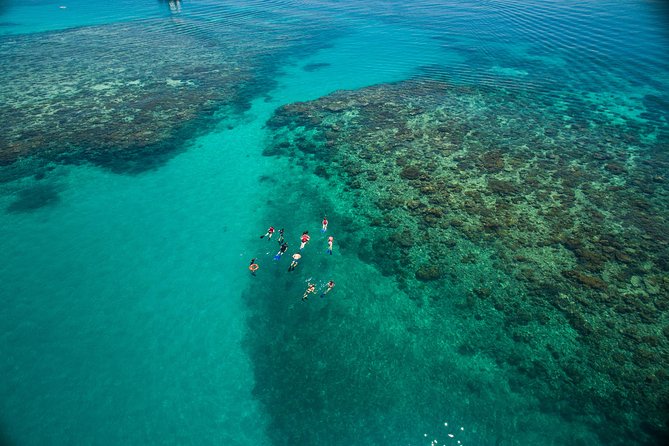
315 66
120 95
565 206
33 198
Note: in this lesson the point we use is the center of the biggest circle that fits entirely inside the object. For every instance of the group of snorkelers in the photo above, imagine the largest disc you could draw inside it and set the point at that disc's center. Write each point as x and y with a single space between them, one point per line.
311 288
304 239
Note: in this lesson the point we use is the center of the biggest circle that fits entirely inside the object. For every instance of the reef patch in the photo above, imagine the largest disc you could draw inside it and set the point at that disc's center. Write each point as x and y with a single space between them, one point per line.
126 96
555 220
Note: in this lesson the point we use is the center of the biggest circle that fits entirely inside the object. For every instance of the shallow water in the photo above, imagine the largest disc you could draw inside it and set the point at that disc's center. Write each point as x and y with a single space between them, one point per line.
130 316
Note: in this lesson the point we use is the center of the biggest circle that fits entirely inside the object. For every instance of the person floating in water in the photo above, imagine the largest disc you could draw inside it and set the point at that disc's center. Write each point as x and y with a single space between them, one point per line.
175 5
281 252
253 266
330 241
304 239
269 234
296 258
331 285
280 236
310 289
325 224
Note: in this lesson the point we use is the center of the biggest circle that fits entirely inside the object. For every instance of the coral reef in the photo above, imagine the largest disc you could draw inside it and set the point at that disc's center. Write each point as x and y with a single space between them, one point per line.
554 216
125 96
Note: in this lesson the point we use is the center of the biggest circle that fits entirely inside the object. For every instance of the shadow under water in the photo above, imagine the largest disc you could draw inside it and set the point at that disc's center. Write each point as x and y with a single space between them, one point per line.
4 438
34 198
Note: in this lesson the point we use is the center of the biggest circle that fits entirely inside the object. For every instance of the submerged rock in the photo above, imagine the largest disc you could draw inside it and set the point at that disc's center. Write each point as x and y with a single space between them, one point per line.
410 173
428 273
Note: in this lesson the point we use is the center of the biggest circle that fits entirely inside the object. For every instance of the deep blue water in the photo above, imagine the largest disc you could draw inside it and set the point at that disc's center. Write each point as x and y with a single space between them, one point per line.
123 317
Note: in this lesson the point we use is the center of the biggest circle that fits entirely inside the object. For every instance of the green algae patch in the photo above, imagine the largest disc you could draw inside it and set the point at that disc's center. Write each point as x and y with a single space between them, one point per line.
554 222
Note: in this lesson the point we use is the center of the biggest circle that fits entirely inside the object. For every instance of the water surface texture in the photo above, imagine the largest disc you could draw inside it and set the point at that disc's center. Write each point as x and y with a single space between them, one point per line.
496 179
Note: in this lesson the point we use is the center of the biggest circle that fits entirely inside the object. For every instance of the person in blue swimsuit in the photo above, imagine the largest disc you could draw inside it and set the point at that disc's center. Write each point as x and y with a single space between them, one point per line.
281 252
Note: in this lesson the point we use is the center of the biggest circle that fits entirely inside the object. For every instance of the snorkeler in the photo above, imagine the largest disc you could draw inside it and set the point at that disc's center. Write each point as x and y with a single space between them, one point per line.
296 259
330 241
304 239
253 266
269 234
281 252
175 6
310 289
325 224
280 236
331 285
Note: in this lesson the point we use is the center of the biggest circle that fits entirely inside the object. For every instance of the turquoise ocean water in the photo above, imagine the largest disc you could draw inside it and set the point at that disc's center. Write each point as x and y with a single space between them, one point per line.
128 314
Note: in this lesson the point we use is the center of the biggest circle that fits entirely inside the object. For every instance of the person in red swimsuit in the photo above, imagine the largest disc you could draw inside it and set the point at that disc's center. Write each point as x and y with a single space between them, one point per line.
304 239
269 234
